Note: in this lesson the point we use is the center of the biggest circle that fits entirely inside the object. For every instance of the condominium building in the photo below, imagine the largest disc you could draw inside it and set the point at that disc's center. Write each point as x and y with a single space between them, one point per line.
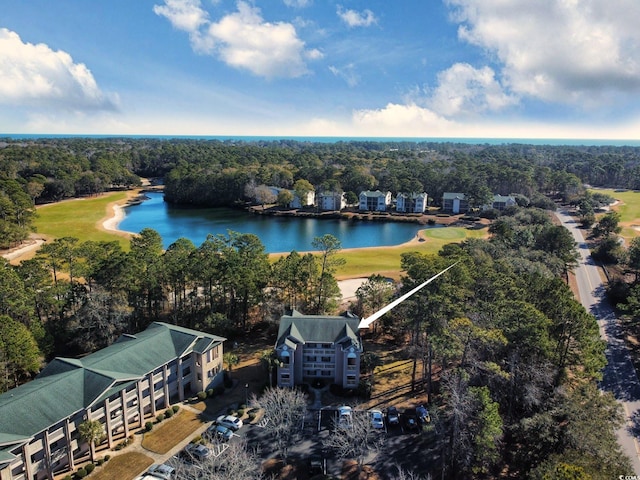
315 348
120 386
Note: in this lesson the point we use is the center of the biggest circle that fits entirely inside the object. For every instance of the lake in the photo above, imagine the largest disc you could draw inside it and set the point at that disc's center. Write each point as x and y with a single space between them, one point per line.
277 234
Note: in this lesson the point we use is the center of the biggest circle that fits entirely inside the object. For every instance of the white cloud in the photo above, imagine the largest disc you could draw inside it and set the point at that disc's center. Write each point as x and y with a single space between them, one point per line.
366 18
184 15
347 73
297 3
402 120
38 76
558 50
243 39
464 90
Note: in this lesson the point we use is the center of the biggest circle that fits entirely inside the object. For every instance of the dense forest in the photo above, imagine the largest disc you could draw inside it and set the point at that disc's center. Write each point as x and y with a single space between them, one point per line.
517 357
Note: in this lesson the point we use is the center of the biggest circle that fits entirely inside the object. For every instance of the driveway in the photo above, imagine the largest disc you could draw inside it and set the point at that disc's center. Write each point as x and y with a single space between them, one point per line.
619 376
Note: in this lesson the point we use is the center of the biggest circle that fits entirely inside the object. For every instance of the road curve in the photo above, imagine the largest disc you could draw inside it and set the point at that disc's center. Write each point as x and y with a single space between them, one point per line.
619 376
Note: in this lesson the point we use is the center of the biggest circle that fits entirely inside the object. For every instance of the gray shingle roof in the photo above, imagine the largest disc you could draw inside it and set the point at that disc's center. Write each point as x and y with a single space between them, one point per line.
66 386
318 329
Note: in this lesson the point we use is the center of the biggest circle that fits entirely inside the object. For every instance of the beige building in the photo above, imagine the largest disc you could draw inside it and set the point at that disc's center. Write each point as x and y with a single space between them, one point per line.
122 385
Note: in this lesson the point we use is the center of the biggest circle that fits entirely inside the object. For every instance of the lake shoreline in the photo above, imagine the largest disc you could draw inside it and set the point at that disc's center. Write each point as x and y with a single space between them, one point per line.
115 213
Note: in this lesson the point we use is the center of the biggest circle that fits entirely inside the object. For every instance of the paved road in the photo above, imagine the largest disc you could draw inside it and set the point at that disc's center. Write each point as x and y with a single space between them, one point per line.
619 376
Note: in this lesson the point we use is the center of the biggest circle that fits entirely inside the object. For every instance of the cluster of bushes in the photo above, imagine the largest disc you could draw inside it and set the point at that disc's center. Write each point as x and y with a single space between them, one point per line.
125 442
87 469
211 392
168 413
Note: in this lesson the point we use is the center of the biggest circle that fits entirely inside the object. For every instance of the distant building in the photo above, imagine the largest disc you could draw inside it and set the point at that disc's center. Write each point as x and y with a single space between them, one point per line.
308 199
374 201
331 201
317 347
297 202
500 202
454 202
411 202
120 386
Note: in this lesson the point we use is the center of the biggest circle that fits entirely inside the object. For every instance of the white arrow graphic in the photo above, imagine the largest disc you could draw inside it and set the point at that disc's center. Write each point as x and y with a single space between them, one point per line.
365 322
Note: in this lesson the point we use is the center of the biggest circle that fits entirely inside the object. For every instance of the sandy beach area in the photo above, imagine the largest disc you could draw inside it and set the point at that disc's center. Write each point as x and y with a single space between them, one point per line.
114 218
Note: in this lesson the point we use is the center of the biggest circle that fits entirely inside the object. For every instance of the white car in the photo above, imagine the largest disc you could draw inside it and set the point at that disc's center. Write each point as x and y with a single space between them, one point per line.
344 416
162 471
377 419
229 421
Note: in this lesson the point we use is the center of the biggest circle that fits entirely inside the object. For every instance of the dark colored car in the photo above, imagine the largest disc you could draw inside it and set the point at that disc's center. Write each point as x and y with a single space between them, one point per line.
393 417
197 452
410 422
219 432
316 465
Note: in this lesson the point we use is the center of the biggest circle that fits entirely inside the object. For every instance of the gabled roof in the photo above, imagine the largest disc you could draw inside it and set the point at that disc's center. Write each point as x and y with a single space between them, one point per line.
503 198
377 193
411 195
452 196
298 328
66 386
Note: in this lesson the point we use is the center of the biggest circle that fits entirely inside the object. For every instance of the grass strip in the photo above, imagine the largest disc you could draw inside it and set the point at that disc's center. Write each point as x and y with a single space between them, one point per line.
125 465
170 432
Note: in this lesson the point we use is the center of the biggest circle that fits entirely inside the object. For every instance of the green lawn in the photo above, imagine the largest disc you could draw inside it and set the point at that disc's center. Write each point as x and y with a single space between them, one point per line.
628 208
79 219
386 260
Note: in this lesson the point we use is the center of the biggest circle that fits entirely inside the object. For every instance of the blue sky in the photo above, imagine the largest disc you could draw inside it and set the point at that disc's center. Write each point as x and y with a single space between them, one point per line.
427 68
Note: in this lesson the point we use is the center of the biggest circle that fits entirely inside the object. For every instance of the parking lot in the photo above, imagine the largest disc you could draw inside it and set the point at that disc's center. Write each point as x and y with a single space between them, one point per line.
413 449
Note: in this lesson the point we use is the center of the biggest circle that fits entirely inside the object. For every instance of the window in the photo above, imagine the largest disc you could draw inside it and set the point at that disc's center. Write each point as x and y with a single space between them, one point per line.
351 359
326 359
285 357
186 370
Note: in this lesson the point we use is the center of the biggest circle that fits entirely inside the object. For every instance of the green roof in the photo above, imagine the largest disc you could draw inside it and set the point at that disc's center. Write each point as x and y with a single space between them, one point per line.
452 196
300 328
66 386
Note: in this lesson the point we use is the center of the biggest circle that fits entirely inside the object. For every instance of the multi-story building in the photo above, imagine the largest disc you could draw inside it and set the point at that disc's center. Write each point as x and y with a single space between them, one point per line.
454 202
500 202
411 202
119 386
374 201
331 201
316 347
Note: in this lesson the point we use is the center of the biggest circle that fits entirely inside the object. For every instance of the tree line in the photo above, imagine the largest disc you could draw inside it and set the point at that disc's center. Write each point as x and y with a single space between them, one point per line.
509 359
76 297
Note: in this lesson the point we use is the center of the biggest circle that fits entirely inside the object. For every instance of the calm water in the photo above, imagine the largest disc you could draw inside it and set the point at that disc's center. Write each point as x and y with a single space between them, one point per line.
276 234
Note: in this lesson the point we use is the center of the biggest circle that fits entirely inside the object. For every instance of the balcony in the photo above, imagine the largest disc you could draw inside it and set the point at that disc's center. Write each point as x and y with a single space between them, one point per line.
318 366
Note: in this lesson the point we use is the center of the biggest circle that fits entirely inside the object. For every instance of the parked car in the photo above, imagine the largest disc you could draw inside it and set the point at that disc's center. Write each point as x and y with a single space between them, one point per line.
377 420
219 432
393 417
344 416
316 465
162 470
196 451
229 421
410 422
423 414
